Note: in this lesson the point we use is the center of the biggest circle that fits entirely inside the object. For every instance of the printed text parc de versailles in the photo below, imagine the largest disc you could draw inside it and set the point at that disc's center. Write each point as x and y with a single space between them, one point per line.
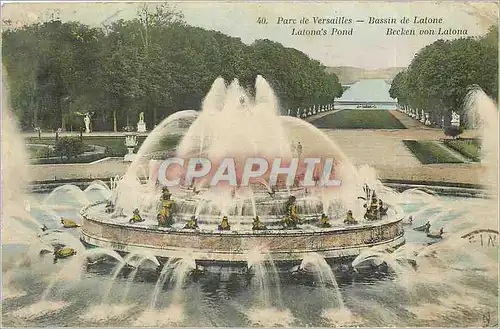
339 20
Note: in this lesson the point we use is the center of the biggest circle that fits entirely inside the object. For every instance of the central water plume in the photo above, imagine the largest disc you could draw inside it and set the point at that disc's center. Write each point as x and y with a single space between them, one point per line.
232 125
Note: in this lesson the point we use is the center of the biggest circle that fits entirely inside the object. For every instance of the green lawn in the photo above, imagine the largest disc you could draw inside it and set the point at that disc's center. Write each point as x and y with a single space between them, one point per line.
469 148
115 147
428 152
359 119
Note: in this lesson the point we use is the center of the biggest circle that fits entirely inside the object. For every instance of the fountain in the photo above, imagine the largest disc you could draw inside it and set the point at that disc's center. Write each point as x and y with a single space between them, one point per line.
465 297
317 223
266 277
322 272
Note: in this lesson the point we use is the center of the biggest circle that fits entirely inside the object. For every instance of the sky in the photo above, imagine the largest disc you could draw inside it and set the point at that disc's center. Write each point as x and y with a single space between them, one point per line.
369 46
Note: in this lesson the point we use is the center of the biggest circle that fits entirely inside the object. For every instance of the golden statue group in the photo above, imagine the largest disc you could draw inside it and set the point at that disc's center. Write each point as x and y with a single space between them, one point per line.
166 215
192 223
291 220
375 209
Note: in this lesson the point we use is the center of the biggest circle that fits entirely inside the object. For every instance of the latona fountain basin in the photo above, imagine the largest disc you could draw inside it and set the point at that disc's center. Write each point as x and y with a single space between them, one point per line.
232 124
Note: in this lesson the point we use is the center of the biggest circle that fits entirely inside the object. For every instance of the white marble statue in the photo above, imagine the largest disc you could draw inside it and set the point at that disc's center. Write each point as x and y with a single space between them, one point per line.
141 125
427 120
455 119
86 120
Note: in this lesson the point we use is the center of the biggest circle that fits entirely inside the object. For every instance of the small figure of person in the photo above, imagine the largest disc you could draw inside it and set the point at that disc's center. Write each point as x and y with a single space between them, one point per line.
349 219
192 224
68 223
224 224
136 218
257 225
324 221
410 220
299 150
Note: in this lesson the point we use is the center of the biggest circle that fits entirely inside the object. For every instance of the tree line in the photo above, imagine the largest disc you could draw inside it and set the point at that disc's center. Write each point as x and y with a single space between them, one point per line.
154 63
440 75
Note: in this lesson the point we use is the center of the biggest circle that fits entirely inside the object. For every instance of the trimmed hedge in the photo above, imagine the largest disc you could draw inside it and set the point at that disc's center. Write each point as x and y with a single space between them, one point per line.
453 131
69 147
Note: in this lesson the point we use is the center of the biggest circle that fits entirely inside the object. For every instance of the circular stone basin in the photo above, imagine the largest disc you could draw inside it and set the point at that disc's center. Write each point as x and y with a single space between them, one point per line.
210 246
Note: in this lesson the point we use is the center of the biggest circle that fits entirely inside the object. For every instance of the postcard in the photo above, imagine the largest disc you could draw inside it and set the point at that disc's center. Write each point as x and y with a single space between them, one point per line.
250 164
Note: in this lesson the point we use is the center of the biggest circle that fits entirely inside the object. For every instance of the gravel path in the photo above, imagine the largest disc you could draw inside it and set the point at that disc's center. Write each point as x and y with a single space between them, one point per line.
408 121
